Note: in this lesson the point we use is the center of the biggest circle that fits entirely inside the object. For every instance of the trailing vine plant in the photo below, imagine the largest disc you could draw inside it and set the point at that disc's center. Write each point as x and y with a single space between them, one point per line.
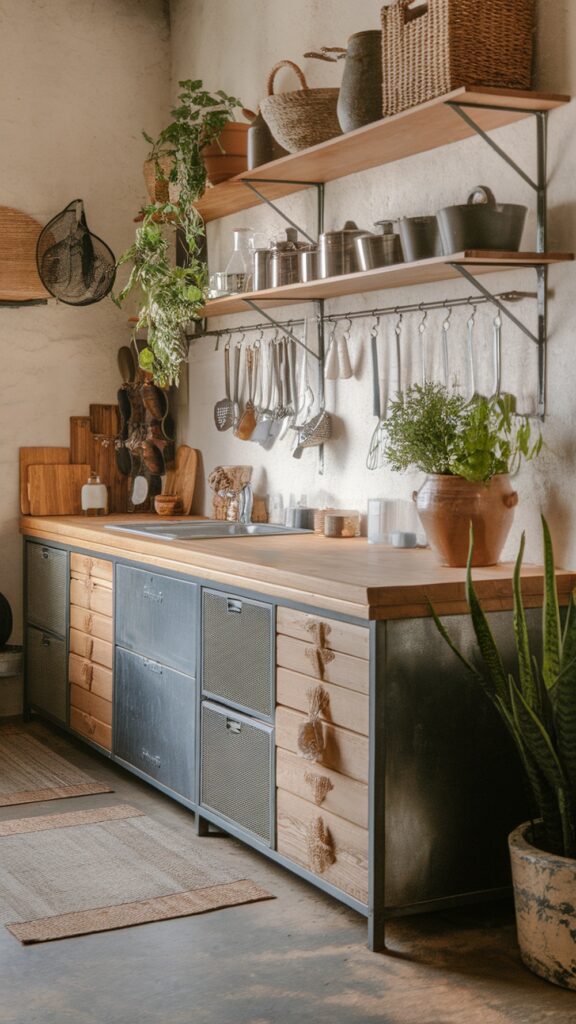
171 296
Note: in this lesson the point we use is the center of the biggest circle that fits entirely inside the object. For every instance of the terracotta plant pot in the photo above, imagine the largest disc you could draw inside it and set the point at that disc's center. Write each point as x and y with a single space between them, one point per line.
229 156
544 887
447 504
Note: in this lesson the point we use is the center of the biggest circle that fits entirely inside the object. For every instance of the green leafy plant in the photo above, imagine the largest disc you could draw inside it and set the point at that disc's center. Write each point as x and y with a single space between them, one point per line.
538 702
171 296
437 431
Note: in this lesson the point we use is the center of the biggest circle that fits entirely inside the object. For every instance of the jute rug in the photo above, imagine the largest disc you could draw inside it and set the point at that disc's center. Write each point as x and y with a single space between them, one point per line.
30 772
113 867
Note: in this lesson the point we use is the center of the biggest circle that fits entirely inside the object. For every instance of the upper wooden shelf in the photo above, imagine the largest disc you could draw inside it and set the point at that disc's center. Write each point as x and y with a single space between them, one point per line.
400 275
417 130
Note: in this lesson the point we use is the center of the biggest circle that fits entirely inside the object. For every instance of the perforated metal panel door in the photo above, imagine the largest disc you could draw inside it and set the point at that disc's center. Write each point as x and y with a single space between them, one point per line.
154 721
237 769
46 587
237 651
156 617
46 673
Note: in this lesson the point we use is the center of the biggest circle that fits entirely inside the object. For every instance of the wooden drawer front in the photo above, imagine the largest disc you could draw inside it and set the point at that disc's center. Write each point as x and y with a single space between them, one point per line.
91 593
92 705
101 626
349 844
346 797
90 647
343 669
94 678
345 707
87 565
338 636
91 727
344 751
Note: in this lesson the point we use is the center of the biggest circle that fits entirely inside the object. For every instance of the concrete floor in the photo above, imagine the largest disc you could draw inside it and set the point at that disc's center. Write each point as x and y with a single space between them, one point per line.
301 957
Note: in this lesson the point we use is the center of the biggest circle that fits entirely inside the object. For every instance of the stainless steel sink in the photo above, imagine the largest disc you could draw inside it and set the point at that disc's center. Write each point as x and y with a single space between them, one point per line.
202 529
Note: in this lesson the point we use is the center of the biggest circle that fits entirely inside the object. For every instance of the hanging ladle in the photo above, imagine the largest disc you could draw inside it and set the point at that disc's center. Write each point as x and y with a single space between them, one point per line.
445 361
373 457
474 395
421 332
497 356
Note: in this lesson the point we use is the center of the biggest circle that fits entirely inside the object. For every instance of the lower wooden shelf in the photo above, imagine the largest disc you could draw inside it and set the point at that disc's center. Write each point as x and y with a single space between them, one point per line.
400 275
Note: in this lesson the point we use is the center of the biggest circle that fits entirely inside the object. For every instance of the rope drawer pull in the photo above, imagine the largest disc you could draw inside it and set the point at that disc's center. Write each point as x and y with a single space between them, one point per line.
319 846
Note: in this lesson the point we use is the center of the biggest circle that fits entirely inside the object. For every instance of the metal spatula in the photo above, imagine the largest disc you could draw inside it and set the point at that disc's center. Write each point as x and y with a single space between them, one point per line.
224 409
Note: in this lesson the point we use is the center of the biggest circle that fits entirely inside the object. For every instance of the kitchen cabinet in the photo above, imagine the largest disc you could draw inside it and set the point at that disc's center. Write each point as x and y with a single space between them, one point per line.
46 603
405 804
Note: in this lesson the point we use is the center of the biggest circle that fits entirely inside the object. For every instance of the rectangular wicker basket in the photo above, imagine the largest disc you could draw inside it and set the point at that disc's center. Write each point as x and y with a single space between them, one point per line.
430 47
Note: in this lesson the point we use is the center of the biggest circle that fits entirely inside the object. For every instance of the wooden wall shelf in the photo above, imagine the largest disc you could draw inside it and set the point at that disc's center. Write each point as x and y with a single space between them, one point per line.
423 128
401 275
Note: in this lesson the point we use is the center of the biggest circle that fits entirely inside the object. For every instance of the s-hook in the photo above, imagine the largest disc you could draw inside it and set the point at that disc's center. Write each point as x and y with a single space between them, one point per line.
421 332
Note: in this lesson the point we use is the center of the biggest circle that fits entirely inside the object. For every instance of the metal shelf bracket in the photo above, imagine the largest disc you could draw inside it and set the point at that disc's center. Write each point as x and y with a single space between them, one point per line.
318 185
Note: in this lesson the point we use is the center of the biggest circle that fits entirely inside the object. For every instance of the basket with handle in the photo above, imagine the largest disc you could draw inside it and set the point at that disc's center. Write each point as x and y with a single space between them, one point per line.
302 118
430 47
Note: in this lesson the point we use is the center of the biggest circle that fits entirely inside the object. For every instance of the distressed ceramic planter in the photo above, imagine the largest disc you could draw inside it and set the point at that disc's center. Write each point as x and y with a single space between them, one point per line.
448 504
545 902
227 156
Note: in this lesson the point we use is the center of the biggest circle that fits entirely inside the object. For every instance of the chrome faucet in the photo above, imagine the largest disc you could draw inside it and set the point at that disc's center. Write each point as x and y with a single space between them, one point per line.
245 503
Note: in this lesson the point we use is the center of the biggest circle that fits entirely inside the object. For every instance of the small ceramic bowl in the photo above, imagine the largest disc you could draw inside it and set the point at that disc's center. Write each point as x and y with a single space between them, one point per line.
168 504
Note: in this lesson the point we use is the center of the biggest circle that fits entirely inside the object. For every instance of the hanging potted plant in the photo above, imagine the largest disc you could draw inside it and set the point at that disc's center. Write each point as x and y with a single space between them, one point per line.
467 449
538 707
170 296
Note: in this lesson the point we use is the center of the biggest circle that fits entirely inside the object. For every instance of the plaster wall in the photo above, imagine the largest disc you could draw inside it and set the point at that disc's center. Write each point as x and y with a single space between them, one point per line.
232 44
78 81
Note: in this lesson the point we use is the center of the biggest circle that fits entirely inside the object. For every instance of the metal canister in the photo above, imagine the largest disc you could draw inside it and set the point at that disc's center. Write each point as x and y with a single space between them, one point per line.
378 250
338 251
261 269
308 260
284 268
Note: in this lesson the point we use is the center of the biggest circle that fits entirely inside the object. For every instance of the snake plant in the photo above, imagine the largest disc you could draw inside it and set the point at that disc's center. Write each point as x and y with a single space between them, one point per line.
538 702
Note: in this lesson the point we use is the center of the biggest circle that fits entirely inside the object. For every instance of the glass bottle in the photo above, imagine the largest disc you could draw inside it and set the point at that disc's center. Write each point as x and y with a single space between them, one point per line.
94 497
239 267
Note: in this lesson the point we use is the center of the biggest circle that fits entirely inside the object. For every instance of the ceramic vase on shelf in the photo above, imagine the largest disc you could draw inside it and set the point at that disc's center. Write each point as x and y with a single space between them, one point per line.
448 504
360 97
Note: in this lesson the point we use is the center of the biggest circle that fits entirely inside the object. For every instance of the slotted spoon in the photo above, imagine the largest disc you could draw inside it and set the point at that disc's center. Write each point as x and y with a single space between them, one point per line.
224 409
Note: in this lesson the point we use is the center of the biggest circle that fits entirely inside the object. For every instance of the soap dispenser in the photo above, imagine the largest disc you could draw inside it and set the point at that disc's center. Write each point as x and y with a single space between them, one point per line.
94 497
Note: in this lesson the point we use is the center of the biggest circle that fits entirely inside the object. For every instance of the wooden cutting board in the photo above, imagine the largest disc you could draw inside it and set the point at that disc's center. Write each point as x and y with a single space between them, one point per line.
182 479
38 456
85 448
104 420
55 490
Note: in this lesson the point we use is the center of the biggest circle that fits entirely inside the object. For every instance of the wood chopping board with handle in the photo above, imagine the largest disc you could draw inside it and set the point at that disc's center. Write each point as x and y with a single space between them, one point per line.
84 447
37 457
55 490
182 479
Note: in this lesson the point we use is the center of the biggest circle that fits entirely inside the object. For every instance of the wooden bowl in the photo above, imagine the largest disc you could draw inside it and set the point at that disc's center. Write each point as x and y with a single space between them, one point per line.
168 504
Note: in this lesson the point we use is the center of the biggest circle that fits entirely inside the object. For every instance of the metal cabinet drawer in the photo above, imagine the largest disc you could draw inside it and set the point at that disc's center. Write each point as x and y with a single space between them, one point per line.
46 587
156 617
46 682
237 778
154 721
237 651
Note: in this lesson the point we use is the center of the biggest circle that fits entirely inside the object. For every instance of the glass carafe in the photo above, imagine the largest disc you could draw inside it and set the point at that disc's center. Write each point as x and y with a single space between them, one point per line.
239 267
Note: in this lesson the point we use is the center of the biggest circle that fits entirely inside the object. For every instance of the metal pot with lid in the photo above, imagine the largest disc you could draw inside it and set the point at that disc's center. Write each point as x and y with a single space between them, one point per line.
284 259
378 250
337 250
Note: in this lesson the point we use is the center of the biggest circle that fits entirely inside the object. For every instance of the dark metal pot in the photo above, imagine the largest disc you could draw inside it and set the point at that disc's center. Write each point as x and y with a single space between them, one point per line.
482 223
420 237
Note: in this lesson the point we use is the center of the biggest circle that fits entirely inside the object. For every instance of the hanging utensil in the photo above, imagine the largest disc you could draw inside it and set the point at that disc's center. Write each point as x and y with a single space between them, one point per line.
247 421
278 404
497 357
236 397
445 360
289 386
473 394
398 339
224 409
332 366
265 413
126 364
344 365
421 332
373 457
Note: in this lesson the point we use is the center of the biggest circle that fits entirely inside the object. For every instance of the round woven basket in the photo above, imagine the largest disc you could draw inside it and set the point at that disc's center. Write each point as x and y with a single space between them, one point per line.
302 118
19 280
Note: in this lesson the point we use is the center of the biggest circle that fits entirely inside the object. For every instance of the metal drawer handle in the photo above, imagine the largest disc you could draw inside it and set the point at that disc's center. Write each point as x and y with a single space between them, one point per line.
320 786
152 595
152 666
45 553
45 641
233 726
234 605
320 846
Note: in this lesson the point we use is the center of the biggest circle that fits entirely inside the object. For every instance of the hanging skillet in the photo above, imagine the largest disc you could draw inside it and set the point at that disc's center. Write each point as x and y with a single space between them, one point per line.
74 265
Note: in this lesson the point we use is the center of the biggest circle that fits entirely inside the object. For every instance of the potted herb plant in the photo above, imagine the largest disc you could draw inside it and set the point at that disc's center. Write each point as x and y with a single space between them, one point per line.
467 449
169 295
538 707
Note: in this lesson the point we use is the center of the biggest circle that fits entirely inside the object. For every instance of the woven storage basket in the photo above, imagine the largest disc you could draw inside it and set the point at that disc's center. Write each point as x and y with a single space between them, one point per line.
302 118
430 47
19 280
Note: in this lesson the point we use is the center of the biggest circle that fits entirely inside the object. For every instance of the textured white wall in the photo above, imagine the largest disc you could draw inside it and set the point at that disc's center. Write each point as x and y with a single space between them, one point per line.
78 81
232 44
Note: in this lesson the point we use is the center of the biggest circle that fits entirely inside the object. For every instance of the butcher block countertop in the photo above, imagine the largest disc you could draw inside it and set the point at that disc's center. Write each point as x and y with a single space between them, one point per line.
346 577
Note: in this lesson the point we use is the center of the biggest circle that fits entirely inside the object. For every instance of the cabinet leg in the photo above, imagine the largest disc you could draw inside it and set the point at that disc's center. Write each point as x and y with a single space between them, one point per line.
26 715
377 933
202 826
